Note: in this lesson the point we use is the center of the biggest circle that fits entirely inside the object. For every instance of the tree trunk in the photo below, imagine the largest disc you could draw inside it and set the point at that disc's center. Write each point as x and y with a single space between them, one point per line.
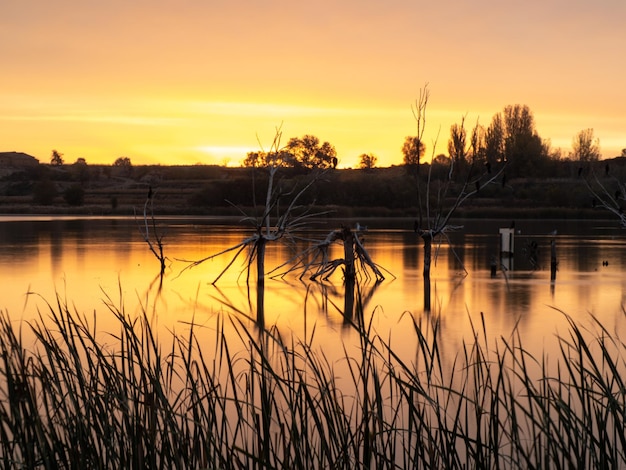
348 253
553 261
428 242
260 284
348 300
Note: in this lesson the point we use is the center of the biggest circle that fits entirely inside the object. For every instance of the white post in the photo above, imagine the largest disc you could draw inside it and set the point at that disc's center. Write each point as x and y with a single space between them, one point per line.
507 241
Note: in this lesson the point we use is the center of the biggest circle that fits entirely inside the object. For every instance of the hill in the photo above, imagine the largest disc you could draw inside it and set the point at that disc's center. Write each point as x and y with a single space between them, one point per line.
213 190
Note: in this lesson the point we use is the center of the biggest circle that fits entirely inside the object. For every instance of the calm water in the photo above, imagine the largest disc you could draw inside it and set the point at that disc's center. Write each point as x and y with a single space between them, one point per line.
89 262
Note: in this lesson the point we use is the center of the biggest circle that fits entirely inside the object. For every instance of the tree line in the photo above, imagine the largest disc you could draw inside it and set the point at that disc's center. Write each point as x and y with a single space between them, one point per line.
511 138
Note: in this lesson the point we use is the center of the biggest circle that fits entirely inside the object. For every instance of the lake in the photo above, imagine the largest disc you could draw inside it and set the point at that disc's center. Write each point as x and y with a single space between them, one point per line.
89 262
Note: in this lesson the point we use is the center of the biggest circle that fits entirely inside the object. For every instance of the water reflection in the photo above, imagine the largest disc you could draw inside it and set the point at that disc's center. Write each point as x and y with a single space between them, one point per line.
86 258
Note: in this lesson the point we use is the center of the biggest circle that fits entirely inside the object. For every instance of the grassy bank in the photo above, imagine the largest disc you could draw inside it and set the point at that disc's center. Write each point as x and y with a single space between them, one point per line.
213 190
133 400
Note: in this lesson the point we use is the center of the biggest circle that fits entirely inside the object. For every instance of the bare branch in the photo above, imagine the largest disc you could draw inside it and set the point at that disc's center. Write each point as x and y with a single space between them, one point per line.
605 199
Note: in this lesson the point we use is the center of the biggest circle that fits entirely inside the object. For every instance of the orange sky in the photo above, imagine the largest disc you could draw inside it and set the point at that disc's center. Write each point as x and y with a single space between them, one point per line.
206 81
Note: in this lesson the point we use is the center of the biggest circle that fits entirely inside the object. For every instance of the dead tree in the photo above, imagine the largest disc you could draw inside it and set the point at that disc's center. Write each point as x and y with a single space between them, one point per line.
272 225
434 210
355 263
606 197
150 231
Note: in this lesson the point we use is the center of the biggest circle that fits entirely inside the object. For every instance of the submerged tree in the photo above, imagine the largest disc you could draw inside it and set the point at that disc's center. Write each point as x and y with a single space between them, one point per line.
355 263
607 192
434 207
151 233
274 224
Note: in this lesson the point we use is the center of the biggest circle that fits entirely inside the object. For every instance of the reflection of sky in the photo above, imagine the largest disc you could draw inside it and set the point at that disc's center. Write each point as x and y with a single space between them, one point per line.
86 262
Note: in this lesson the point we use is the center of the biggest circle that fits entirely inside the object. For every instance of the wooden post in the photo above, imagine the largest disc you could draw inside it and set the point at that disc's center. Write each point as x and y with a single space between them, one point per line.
348 253
553 262
428 243
260 286
348 300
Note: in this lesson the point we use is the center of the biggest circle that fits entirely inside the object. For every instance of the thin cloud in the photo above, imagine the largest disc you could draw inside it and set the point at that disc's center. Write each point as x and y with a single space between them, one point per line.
125 120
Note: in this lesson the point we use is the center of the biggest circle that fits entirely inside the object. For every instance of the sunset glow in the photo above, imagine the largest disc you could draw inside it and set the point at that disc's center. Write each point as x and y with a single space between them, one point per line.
206 82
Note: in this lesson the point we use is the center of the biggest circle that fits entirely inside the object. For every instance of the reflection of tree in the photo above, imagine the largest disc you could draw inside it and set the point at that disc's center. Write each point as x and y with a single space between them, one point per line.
350 300
356 260
410 252
357 266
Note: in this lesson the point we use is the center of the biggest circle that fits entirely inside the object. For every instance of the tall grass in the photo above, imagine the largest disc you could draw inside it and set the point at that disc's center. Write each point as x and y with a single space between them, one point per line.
79 399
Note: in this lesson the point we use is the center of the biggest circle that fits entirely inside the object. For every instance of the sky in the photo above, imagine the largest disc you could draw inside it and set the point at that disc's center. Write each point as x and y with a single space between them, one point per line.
206 81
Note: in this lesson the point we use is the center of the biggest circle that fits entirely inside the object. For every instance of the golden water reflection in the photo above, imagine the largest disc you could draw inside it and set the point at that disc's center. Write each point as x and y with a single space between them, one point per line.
89 262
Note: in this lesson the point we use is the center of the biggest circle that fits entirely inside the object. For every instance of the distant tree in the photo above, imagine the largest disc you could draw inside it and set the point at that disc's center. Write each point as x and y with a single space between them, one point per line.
80 169
494 141
255 159
441 167
367 161
463 152
57 158
457 143
623 154
413 150
441 159
556 154
303 152
585 148
513 131
307 152
280 158
123 166
123 161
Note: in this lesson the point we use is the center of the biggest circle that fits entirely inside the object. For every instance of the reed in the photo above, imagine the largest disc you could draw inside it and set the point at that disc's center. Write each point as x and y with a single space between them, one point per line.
78 398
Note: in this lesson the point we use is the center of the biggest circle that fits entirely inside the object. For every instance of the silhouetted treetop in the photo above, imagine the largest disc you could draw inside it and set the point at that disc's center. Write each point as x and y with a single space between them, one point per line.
512 134
309 153
585 148
122 161
367 161
57 158
413 150
300 152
